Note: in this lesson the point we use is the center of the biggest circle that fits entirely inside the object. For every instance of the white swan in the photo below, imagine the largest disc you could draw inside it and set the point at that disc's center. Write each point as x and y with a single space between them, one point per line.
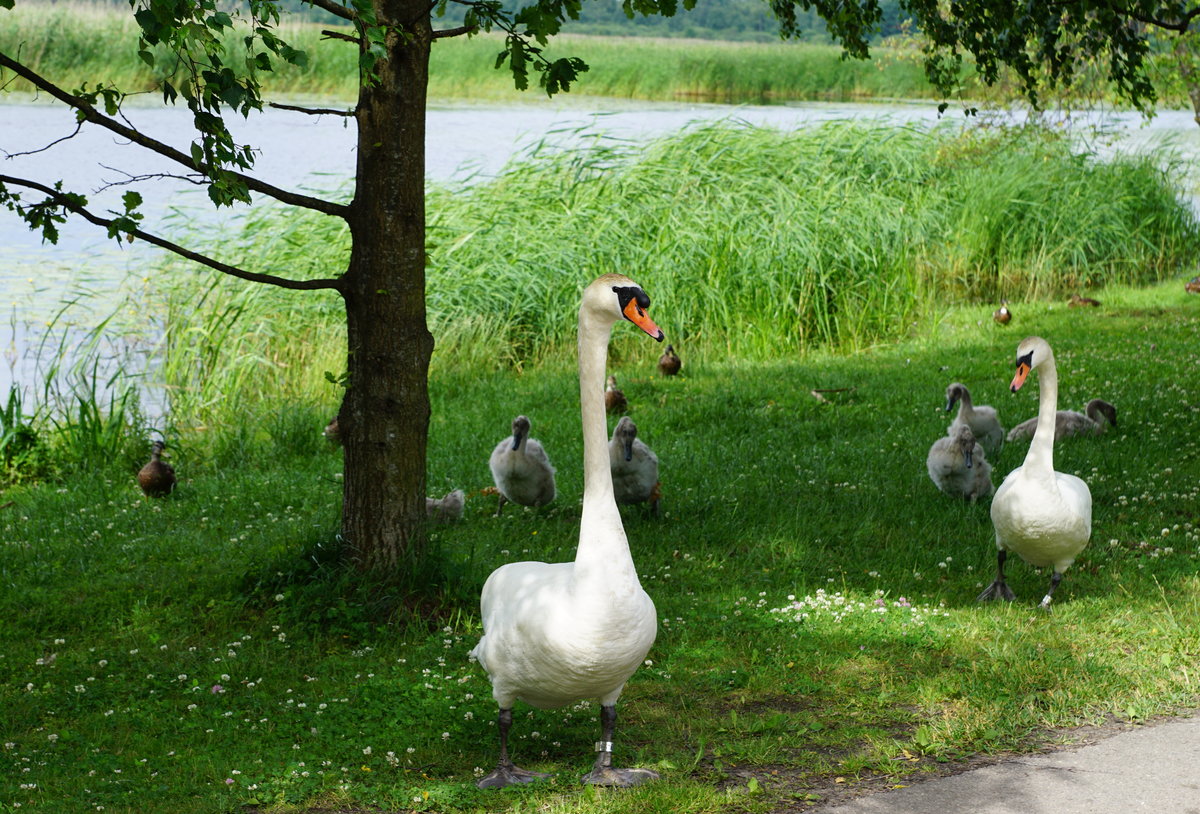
634 466
983 420
554 634
1069 422
521 469
958 466
1042 515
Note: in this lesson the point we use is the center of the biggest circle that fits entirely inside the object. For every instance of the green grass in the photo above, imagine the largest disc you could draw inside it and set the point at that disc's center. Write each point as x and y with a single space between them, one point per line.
121 615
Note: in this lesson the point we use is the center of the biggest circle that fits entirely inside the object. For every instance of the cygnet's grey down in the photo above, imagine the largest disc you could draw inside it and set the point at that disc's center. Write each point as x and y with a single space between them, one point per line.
1069 422
521 469
634 466
958 466
983 420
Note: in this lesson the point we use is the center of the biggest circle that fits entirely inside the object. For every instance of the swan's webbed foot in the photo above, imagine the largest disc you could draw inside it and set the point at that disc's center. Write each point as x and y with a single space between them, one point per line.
619 778
997 590
509 775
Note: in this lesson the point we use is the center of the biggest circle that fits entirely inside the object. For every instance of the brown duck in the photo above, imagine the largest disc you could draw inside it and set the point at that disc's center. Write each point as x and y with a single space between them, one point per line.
1002 314
669 363
614 400
156 478
1083 302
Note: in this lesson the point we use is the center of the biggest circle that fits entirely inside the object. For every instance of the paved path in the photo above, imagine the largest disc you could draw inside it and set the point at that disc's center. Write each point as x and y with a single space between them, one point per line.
1153 769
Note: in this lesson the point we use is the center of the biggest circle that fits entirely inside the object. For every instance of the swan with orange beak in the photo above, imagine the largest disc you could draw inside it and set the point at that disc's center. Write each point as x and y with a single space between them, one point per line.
1044 516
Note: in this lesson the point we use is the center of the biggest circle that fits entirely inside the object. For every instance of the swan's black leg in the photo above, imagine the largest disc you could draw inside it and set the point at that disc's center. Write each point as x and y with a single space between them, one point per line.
603 774
999 588
500 505
506 774
1054 580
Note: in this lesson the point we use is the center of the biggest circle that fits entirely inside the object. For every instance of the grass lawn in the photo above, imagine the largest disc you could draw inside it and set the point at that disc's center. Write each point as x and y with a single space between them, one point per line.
202 653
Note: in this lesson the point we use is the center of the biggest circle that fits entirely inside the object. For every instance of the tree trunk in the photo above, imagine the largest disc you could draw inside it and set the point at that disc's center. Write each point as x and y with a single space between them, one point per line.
384 420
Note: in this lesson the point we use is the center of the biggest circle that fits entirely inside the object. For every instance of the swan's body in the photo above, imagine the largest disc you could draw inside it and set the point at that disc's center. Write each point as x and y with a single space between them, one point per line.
958 466
446 508
669 363
1068 422
1043 516
557 633
983 420
614 398
634 466
521 469
157 477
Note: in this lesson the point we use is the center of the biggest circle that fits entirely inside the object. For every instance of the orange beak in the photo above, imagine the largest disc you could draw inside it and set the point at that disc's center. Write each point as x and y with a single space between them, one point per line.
1019 379
640 318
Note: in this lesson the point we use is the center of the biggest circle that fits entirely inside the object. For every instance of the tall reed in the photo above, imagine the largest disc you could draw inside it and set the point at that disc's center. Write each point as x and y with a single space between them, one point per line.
756 243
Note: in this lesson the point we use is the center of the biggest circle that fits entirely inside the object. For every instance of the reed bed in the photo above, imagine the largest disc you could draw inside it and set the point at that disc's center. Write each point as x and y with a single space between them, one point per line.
763 243
758 244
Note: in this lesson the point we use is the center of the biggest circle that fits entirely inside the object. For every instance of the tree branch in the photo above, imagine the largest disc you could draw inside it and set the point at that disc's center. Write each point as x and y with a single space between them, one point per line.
338 35
61 199
334 8
312 111
455 32
78 127
90 114
130 178
1181 26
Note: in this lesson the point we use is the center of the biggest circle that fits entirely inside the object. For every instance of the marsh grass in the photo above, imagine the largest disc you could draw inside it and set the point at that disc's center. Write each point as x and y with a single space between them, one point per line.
761 243
200 653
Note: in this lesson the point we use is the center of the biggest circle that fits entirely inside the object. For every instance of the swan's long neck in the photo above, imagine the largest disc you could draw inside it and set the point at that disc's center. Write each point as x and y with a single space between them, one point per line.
603 548
1040 458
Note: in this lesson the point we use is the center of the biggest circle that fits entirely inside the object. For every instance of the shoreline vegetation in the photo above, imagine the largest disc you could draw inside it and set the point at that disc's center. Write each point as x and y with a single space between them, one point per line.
78 43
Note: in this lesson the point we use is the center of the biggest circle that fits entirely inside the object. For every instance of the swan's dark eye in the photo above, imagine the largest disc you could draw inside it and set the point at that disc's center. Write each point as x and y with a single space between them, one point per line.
1026 360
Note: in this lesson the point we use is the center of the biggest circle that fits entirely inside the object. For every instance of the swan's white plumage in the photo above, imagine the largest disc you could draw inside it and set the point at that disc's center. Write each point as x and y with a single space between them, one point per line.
958 466
521 468
555 633
983 420
634 480
1043 516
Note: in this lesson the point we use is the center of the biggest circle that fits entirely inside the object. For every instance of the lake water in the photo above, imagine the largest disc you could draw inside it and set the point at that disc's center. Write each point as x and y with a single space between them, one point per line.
303 152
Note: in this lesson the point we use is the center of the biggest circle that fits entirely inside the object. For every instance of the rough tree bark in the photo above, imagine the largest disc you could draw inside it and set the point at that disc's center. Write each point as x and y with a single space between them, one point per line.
384 417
